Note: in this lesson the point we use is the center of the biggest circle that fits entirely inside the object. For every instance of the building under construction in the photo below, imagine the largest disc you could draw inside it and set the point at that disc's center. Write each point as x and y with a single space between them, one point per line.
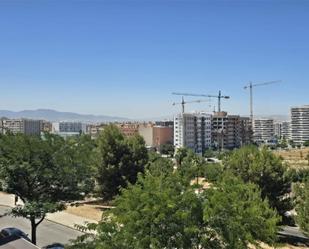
230 131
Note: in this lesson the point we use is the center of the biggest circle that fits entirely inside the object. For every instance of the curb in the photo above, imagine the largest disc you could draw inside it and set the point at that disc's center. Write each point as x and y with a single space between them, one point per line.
67 226
55 222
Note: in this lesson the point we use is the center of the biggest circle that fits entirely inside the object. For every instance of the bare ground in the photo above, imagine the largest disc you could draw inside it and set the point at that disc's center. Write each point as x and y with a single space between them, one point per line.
265 246
296 158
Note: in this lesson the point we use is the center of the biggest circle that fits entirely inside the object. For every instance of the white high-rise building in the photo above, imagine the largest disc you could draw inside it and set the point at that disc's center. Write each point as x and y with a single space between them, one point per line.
300 124
283 130
193 130
67 129
286 130
263 130
278 130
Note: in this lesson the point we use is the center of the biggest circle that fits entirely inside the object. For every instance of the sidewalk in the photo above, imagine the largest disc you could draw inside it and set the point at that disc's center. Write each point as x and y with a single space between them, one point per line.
63 218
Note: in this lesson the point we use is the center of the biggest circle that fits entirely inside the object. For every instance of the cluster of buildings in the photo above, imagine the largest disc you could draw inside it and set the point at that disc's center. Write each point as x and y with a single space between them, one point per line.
154 134
198 131
201 131
26 126
296 130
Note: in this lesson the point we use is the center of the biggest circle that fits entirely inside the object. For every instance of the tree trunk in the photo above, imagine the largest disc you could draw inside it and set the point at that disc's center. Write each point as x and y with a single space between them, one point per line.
33 230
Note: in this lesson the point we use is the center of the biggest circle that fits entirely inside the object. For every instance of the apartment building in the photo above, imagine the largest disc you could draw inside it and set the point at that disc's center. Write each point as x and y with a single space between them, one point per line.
282 130
26 126
286 130
168 123
246 132
146 130
128 129
193 131
263 130
74 127
230 131
156 135
300 124
94 130
278 130
162 135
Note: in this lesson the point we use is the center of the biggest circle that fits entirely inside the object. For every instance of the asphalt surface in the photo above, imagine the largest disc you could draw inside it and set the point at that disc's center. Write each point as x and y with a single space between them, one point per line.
47 232
293 235
293 231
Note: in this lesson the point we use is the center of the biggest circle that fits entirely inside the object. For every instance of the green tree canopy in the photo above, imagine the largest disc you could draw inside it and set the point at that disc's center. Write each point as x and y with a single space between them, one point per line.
181 153
159 211
158 165
44 172
238 215
192 166
302 205
213 171
167 149
119 160
306 143
266 170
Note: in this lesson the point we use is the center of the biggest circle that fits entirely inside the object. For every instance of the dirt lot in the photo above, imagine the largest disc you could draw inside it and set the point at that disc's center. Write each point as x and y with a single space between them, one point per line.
90 210
87 211
296 158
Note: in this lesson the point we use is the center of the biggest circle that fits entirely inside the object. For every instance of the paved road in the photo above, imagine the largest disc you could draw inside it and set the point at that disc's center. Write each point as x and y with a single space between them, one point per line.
293 231
47 232
293 235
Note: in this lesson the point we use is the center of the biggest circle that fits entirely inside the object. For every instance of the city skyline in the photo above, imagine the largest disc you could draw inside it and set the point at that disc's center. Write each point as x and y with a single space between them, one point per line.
125 58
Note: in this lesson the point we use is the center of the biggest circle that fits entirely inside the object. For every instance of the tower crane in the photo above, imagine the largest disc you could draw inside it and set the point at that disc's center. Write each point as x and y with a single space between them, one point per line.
250 86
183 102
219 97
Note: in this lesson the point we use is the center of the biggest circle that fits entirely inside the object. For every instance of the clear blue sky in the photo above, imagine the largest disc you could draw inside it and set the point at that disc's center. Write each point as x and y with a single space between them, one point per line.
126 57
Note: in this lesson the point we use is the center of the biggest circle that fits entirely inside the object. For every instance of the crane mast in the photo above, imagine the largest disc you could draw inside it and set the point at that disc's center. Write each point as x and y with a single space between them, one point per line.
250 86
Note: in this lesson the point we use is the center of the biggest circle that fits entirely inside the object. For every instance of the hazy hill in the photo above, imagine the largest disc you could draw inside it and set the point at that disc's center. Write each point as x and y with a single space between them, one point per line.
54 116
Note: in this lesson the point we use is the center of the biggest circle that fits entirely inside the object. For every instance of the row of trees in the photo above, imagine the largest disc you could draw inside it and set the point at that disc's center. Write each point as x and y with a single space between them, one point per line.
48 172
164 211
244 204
157 206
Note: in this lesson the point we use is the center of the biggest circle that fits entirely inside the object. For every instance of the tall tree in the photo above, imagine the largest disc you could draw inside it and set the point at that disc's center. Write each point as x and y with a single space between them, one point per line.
119 161
157 212
192 166
158 165
167 149
238 215
302 205
181 153
266 170
44 173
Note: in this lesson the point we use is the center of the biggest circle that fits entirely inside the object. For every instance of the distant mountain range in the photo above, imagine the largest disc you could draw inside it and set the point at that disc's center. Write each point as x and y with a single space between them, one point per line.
56 116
